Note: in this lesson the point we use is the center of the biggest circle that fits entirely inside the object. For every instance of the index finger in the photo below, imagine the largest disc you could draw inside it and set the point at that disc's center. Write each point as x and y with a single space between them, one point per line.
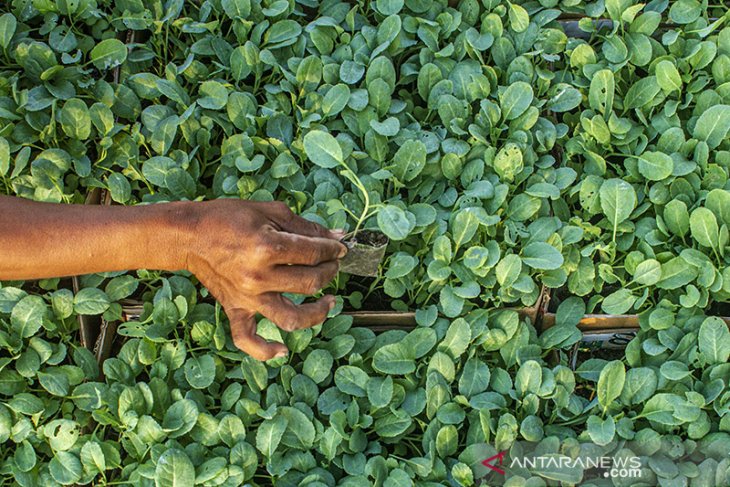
294 249
243 333
301 226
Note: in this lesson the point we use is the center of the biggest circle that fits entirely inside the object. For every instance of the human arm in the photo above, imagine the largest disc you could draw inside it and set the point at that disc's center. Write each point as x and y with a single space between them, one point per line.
245 253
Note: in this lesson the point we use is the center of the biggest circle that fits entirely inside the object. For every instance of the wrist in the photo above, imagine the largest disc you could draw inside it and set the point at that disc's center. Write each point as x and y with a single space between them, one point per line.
178 235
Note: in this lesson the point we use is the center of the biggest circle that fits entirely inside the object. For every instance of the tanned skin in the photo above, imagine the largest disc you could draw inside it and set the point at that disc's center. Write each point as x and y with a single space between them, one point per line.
246 253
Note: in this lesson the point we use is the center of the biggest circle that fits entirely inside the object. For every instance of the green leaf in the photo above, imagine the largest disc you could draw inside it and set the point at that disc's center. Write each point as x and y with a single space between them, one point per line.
323 149
75 119
394 223
618 200
515 100
55 382
602 91
200 371
92 457
91 301
28 315
474 377
65 468
300 432
380 391
119 188
703 224
269 433
180 418
641 92
674 370
237 9
8 24
565 99
570 311
508 270
655 166
213 95
318 365
668 76
648 272
174 469
718 201
541 256
640 385
394 359
676 273
108 54
351 380
25 457
713 125
618 302
4 154
610 383
600 430
393 424
676 217
89 396
464 227
528 378
457 338
518 17
335 100
387 128
121 287
714 340
409 160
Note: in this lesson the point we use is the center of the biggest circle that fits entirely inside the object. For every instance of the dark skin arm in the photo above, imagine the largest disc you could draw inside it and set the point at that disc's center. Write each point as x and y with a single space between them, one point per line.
246 253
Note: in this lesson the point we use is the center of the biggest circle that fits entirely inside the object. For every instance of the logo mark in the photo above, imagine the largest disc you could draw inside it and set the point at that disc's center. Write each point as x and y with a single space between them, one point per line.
498 457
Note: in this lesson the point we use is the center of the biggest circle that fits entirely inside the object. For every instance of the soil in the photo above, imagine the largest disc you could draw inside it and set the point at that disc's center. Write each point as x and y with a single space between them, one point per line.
367 249
370 238
377 300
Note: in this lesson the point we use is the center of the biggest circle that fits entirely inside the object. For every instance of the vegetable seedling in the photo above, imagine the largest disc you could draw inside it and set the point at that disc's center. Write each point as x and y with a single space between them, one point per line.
366 252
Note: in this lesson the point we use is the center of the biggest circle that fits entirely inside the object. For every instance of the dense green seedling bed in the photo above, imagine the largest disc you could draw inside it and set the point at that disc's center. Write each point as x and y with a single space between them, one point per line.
497 153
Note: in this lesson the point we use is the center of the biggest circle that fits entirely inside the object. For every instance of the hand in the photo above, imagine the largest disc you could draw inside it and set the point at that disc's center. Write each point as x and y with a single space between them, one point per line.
248 253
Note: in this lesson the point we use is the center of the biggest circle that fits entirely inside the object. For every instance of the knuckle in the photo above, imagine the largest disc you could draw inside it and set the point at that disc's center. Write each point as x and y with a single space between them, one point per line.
312 284
332 268
264 249
240 342
316 228
279 248
288 320
255 280
314 254
281 208
321 315
287 326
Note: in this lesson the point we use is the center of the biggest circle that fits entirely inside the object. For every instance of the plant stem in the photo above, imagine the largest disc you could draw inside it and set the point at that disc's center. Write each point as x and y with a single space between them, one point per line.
349 174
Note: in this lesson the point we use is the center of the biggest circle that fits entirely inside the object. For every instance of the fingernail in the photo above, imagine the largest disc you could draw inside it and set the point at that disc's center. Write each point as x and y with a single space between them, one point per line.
332 304
281 354
343 252
339 232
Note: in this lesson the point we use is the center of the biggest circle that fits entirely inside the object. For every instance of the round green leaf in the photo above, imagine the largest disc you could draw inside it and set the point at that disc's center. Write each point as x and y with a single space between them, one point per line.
200 371
174 469
655 166
108 54
394 223
323 149
65 468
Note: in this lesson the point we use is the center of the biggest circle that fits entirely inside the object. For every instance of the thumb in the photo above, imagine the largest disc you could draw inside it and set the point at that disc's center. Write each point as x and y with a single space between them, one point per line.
243 332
